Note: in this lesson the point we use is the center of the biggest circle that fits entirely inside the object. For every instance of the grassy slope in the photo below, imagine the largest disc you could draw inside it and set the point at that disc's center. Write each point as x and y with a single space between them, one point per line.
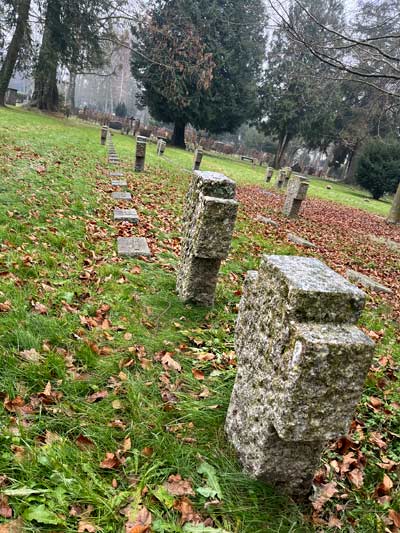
59 250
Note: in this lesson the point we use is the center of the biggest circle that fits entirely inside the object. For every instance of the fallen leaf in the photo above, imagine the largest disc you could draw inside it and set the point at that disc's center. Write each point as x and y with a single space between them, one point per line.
5 306
32 356
198 374
356 477
169 363
178 486
395 517
83 526
385 487
141 523
97 396
324 493
188 514
14 526
5 509
111 461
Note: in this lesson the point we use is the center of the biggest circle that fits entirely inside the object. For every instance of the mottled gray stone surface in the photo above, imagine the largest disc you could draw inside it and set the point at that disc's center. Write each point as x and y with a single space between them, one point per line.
103 135
208 222
269 173
367 282
268 221
126 215
121 196
140 153
301 367
280 179
133 247
296 194
118 183
116 174
300 241
161 145
198 156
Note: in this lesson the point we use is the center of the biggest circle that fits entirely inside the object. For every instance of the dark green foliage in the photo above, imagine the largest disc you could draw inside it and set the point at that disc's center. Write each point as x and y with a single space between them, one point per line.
379 167
199 62
120 110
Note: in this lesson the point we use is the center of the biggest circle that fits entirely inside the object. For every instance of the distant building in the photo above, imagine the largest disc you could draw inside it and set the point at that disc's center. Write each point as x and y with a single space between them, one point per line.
11 96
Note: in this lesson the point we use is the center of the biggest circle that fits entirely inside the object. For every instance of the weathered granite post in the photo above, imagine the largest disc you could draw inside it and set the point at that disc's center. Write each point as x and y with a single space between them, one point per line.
286 177
296 193
280 178
198 156
269 174
103 135
302 364
209 219
140 153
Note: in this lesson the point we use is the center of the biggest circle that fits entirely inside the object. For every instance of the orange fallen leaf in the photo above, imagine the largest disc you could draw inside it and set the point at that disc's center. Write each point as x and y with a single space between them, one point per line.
97 396
111 461
178 486
198 374
169 363
356 477
395 517
325 493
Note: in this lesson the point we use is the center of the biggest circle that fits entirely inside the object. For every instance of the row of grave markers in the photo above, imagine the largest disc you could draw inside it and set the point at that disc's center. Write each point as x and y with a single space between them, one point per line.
302 361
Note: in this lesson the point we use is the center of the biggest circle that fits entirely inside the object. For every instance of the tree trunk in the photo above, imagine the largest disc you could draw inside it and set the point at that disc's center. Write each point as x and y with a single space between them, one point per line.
178 138
394 215
350 175
45 95
283 144
14 48
71 91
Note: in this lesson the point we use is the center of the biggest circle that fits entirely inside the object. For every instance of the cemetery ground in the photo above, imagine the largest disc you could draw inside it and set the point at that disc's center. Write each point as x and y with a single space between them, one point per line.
114 393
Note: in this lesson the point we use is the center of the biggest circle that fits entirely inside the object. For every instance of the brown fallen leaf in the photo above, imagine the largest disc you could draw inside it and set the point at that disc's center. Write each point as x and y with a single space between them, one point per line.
14 526
32 356
84 442
188 514
169 363
40 308
198 374
385 487
15 405
335 522
97 396
356 477
5 306
111 461
325 493
84 525
141 523
395 517
177 486
377 439
5 509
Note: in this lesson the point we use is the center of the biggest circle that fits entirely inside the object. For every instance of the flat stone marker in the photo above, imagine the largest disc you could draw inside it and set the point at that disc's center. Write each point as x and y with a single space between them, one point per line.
302 364
126 215
367 282
118 183
300 241
133 247
116 174
268 221
121 196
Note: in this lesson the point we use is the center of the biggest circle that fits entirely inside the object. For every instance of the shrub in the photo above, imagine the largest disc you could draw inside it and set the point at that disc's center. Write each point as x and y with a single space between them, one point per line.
378 168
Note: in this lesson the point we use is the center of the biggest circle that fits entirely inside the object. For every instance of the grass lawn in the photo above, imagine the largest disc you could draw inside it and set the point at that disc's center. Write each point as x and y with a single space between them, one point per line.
110 385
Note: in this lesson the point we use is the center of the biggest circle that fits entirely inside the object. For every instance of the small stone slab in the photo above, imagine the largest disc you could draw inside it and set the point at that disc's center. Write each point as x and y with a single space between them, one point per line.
116 174
266 220
133 247
300 241
121 196
367 282
126 215
118 183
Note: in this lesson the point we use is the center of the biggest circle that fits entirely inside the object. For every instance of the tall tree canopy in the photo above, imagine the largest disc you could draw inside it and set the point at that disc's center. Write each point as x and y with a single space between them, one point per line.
72 37
199 62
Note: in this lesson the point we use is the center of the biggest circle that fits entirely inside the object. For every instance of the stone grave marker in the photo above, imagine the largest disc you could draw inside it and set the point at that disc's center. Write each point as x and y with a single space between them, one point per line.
116 174
280 179
269 174
121 196
209 219
140 153
287 176
198 156
161 145
302 363
133 247
103 135
300 241
126 215
119 183
296 194
367 282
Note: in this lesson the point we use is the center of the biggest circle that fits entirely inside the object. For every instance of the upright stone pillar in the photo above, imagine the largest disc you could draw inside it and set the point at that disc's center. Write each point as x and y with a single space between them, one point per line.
209 219
296 194
280 178
198 156
140 153
286 177
302 364
269 174
103 135
161 145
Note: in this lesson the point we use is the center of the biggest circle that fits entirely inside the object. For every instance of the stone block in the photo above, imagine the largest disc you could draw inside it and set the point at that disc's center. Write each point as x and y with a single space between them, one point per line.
300 241
133 247
367 282
268 175
302 363
118 183
209 217
103 135
140 153
126 215
198 157
296 194
116 174
122 196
